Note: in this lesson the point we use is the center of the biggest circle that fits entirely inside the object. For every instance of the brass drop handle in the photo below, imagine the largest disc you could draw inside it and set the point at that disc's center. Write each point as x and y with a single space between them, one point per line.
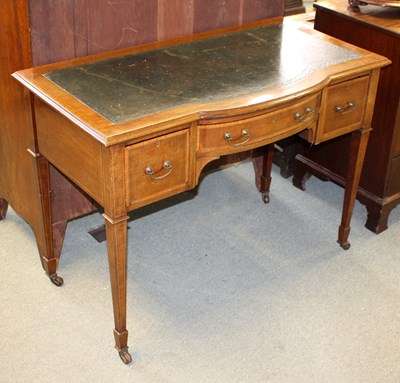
345 109
166 165
229 138
307 116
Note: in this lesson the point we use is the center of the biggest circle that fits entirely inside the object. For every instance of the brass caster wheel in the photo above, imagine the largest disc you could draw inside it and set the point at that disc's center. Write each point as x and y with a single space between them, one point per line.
345 245
57 280
265 197
125 356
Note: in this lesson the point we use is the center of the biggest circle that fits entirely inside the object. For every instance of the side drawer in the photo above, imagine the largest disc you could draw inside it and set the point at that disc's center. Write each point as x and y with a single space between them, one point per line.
344 108
157 168
250 132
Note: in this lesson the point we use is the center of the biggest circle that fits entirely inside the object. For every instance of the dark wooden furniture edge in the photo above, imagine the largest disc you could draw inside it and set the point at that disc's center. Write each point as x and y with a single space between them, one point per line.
378 208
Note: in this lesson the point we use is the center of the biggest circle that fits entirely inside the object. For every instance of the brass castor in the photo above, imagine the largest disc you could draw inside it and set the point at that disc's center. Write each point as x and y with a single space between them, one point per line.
56 279
125 356
265 197
345 245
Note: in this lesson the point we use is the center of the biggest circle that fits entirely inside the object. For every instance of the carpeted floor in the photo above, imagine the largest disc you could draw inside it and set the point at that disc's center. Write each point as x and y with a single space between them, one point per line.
221 288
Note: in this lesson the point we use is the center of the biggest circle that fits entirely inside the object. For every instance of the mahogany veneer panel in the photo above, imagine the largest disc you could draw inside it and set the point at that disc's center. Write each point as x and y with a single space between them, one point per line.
175 18
18 180
75 28
211 14
260 9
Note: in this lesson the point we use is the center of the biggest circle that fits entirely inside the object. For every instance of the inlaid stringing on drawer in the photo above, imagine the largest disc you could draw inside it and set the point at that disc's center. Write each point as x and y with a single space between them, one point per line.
246 133
344 108
157 168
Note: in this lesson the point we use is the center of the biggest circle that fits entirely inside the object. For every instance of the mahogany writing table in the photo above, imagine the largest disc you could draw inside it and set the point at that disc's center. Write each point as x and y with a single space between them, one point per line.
135 126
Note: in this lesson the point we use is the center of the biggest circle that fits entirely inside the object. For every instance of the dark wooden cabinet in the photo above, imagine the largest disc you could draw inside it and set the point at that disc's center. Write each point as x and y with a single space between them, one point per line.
293 7
36 32
376 29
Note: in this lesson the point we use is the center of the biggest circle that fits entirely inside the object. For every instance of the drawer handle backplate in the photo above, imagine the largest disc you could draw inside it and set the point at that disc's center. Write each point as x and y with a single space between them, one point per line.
307 116
166 165
345 109
229 138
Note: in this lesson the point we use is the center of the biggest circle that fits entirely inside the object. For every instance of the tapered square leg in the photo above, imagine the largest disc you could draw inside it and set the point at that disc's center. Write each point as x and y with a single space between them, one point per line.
359 141
116 232
3 208
262 163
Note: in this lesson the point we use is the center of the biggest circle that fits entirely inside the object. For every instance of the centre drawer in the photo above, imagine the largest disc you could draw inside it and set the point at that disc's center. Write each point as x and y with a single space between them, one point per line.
248 132
156 168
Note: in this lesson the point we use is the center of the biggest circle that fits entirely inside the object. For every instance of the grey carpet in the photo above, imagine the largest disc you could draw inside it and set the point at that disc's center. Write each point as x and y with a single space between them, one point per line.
221 288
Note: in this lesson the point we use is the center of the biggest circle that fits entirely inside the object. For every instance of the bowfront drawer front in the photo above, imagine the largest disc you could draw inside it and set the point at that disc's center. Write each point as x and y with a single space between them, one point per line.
157 168
344 108
251 132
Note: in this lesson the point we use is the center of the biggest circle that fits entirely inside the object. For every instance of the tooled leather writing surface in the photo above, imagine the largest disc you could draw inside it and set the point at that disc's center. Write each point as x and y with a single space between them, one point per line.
202 71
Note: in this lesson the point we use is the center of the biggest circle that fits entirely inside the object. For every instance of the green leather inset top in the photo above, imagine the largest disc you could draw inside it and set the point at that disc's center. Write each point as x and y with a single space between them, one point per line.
202 71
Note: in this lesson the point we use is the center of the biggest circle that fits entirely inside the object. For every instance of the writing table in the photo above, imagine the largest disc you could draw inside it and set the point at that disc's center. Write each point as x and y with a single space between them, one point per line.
138 125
